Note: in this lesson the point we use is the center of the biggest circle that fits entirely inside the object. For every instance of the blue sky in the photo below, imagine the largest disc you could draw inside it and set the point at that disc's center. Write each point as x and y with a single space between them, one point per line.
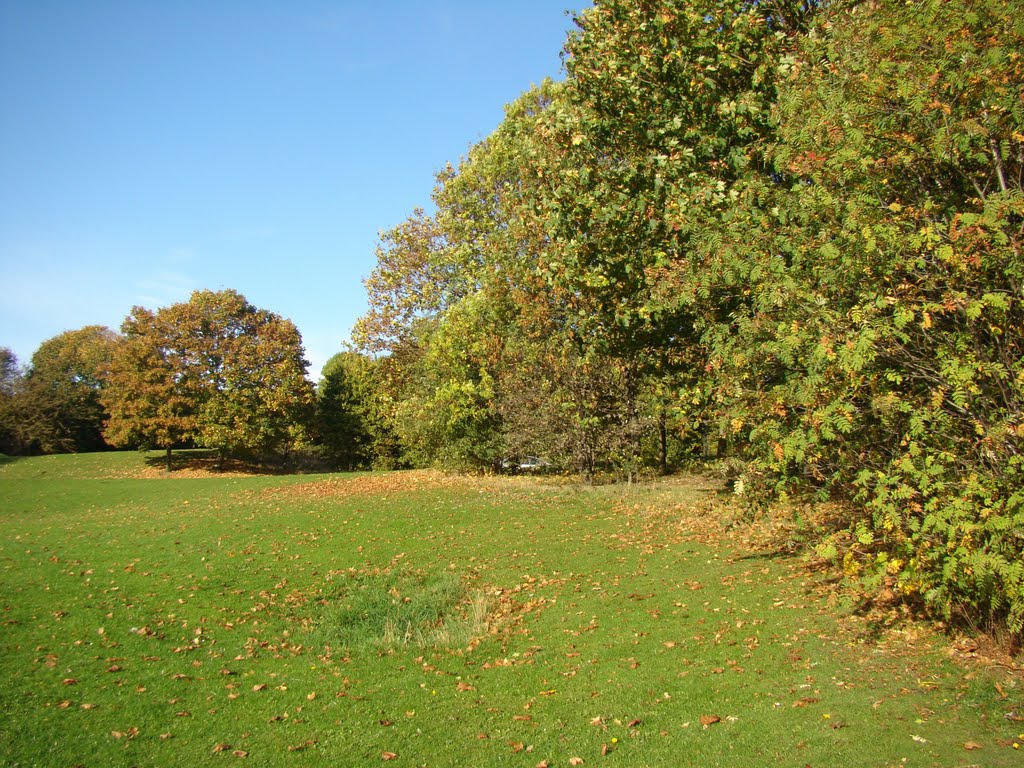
149 149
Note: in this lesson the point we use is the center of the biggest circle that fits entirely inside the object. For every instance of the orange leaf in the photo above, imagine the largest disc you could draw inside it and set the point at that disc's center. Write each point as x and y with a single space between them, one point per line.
972 745
221 748
707 720
388 755
465 687
575 761
633 723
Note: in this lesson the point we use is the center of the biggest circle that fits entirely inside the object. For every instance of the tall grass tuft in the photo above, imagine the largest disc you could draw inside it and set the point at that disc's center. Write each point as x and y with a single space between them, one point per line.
396 608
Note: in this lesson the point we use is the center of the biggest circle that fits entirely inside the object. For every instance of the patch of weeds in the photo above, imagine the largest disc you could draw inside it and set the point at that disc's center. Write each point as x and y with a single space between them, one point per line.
394 608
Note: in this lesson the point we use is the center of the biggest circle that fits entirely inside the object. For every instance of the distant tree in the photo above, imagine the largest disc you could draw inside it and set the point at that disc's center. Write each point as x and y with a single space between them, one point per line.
53 405
339 418
10 375
353 422
65 371
9 370
214 371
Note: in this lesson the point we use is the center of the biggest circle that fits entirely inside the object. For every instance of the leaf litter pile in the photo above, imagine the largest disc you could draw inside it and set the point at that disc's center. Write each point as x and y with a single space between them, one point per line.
433 620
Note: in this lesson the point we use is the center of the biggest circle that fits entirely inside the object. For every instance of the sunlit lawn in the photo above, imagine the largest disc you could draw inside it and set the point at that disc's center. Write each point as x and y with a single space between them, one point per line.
423 620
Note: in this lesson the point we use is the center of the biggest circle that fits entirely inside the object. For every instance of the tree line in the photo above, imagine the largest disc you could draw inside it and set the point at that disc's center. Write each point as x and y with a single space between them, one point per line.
788 233
783 233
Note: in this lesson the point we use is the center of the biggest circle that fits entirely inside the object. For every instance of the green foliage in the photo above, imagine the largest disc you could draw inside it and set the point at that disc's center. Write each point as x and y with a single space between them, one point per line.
353 421
54 405
791 228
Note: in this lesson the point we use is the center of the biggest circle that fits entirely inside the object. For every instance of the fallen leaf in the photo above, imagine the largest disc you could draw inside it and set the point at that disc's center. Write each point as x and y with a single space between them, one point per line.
388 755
517 746
310 696
114 668
543 764
386 723
805 701
69 681
596 721
575 761
260 687
605 749
304 745
483 736
240 753
634 723
972 745
88 706
465 687
707 720
221 748
65 704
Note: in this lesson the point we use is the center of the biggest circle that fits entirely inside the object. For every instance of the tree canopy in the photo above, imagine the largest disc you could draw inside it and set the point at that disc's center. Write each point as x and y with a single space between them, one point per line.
214 371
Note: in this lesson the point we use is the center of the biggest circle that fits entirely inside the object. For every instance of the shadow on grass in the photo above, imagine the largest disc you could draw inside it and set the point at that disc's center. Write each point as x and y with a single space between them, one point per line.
208 461
5 459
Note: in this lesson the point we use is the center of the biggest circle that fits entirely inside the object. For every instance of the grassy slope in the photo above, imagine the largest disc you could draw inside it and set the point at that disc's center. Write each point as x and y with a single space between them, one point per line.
165 605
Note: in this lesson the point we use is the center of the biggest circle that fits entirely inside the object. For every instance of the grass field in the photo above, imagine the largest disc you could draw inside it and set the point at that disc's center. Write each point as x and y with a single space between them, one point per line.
418 620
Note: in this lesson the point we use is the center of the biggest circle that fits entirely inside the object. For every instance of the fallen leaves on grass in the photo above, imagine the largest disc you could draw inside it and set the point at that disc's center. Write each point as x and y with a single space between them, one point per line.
971 745
388 755
304 745
576 761
707 720
465 687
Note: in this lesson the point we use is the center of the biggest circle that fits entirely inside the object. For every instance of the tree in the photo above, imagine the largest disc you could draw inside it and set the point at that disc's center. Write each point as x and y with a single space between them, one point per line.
10 377
67 367
215 371
53 405
353 420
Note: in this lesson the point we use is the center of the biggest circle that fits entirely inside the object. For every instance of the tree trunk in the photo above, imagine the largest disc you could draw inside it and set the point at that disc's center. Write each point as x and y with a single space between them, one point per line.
168 458
662 442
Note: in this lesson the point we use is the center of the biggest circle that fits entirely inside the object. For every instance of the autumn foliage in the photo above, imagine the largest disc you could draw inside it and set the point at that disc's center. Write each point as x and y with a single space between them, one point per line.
214 371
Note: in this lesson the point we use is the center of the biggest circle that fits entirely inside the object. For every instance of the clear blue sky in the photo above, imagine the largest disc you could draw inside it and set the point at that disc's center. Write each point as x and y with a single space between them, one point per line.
151 148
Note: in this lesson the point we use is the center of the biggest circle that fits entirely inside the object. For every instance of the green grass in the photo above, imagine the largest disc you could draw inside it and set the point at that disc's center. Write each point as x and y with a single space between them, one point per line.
329 620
